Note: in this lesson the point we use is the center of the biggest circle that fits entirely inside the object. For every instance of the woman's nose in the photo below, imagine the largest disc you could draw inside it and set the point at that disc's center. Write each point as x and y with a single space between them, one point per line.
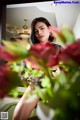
39 32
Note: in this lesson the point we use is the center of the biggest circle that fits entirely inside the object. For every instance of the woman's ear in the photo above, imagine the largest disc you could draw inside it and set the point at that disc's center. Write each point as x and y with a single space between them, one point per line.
50 34
52 31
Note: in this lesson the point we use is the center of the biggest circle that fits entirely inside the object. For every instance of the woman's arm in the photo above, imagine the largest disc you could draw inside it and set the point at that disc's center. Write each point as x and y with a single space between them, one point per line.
23 109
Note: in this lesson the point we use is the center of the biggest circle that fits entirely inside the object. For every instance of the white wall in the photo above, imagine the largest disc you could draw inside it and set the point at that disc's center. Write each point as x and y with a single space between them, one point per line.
65 13
57 15
76 28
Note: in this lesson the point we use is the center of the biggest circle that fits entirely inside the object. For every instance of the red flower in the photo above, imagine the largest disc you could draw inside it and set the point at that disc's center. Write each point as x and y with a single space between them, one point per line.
72 52
4 55
12 51
33 63
46 52
8 80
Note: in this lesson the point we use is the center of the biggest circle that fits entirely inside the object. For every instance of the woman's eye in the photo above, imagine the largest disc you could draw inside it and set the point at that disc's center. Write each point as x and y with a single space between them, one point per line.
42 28
36 31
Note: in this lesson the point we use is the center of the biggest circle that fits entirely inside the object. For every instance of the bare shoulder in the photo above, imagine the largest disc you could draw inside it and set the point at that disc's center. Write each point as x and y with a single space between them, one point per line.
58 47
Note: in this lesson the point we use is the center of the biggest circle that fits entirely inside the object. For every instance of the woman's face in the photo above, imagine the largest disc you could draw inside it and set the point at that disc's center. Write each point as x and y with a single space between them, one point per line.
42 32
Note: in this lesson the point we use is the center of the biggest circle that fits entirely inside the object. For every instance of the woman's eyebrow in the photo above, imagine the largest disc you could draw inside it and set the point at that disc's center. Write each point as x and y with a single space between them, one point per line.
40 26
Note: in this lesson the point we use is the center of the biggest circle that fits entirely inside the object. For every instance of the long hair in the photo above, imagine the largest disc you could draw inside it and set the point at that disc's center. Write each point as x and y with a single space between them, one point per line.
34 40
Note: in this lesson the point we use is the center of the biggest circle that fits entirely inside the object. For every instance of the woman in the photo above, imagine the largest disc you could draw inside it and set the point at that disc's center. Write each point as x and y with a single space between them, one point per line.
40 33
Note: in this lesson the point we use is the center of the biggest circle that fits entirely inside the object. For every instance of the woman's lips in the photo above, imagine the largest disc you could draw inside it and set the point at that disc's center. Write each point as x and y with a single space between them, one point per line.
41 36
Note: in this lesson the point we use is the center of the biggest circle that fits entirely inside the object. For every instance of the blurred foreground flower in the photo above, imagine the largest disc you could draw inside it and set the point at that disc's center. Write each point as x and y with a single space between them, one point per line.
43 54
71 54
12 51
8 80
64 34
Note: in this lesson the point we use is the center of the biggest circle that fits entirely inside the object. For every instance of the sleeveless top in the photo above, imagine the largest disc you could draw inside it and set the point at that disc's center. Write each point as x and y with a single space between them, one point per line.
58 47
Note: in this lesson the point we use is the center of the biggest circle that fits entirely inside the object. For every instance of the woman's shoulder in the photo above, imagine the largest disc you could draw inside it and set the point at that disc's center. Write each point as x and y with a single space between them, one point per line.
58 46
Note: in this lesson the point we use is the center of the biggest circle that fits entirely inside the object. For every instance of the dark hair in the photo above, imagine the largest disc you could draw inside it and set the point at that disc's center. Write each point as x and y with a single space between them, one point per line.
36 20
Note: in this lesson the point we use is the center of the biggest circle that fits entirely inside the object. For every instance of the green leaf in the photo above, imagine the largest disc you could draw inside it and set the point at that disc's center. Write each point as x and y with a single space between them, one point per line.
15 48
68 35
14 93
45 82
62 79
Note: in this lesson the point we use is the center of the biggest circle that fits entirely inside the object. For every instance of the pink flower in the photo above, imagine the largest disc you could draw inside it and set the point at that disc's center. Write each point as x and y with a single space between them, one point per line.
64 34
55 32
72 52
33 63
